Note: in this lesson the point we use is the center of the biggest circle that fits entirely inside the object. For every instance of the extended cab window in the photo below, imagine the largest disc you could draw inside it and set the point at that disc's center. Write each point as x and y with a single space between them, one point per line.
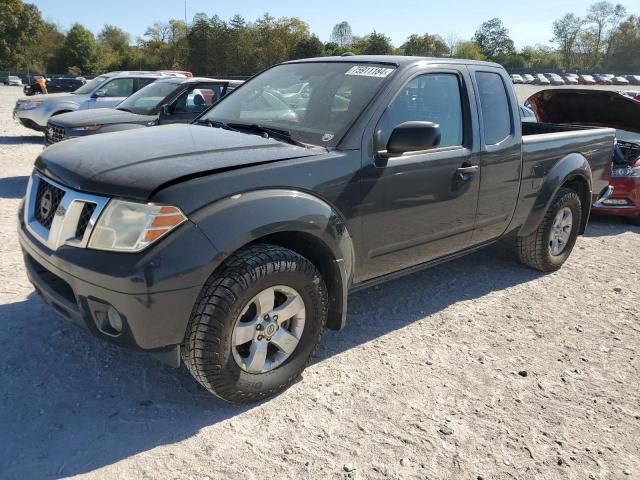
496 111
198 99
433 97
120 87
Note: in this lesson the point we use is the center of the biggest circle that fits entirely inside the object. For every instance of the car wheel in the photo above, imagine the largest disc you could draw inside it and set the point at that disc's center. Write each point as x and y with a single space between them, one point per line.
256 324
549 246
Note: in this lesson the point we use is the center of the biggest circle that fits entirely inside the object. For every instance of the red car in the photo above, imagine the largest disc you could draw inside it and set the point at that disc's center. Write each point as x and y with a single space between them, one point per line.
601 108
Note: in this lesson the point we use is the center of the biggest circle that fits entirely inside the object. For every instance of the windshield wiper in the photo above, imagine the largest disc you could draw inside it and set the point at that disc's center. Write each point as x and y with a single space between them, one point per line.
268 132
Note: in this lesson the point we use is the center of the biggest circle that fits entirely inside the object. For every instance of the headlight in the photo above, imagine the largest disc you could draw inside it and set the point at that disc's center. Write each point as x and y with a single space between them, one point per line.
131 227
88 128
633 172
28 105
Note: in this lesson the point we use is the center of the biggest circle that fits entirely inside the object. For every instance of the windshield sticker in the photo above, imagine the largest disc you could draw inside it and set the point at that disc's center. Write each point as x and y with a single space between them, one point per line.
367 71
327 137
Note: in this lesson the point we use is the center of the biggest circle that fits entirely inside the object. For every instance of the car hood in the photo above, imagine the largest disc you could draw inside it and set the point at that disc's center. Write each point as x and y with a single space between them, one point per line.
99 116
598 108
136 163
55 97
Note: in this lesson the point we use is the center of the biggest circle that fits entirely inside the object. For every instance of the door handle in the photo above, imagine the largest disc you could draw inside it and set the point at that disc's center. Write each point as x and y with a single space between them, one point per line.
468 170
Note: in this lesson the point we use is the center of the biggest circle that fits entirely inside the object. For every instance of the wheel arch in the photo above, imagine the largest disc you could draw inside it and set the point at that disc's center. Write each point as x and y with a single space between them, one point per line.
295 220
572 171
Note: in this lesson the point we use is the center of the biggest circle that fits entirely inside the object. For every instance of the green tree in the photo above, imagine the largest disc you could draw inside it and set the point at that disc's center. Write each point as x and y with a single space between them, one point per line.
342 34
20 26
625 45
494 42
425 46
79 49
540 57
468 50
566 31
603 18
308 48
373 44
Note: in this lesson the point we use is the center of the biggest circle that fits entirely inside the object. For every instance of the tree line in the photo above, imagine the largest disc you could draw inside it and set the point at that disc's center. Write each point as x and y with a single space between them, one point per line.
606 37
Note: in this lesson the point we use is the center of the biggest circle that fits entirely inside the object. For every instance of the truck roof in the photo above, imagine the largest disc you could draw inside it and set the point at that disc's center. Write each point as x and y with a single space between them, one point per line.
398 60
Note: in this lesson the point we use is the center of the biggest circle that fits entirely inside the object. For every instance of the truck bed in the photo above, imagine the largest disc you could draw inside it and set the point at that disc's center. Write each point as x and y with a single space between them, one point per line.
544 145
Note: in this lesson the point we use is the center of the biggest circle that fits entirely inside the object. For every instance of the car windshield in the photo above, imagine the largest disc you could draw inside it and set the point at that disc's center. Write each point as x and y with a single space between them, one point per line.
315 102
147 100
90 85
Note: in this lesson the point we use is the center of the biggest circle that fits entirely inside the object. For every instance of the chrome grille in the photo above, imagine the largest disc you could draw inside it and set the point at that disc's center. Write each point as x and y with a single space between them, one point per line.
48 198
54 133
58 215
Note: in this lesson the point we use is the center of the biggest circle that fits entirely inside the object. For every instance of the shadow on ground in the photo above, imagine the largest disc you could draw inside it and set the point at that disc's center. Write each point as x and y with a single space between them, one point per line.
13 187
71 404
606 226
22 140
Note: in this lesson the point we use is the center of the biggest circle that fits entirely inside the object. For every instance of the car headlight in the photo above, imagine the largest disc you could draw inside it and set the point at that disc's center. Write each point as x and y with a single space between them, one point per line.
28 105
88 128
130 227
633 172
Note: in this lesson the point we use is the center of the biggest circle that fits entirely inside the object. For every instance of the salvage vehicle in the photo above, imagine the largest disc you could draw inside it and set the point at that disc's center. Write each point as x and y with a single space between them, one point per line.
586 80
54 85
541 80
233 242
600 108
635 94
105 91
168 100
633 79
13 81
517 79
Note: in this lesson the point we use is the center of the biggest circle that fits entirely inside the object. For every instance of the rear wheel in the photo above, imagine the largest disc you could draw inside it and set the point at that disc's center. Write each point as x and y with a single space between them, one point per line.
549 246
256 324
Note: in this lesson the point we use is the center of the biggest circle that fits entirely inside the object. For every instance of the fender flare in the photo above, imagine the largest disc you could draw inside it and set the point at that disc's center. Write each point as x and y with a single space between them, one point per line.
571 167
236 221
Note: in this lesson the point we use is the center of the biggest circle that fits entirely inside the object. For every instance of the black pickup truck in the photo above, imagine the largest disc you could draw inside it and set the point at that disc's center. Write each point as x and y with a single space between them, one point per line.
231 243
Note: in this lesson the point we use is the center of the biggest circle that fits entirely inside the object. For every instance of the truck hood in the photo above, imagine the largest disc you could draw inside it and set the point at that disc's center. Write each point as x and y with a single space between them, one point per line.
135 163
99 116
598 108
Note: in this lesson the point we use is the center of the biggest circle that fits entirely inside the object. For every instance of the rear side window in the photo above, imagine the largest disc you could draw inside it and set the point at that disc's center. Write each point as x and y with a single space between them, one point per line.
496 111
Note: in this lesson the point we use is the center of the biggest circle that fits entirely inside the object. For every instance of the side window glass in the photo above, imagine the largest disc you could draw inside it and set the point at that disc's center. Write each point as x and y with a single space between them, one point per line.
142 82
197 100
120 87
496 111
433 97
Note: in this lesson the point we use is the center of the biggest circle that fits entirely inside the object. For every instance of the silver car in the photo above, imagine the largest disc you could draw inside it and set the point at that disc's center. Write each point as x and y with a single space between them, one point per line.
105 91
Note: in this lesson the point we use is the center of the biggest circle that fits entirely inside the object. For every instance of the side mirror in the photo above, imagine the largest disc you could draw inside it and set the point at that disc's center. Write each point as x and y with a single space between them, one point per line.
165 110
100 94
413 137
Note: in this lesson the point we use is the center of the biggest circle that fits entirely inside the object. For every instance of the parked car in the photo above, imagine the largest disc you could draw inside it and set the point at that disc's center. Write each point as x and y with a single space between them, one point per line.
517 79
55 85
603 80
13 81
168 100
570 80
586 80
528 78
601 108
540 79
105 91
619 81
633 79
635 94
555 79
232 242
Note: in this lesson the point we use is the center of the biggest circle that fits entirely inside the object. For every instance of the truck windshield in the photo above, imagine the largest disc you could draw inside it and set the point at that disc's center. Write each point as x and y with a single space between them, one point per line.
90 85
315 102
147 100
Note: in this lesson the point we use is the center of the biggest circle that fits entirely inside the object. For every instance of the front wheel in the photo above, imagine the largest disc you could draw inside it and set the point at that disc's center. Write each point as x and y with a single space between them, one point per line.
549 246
256 324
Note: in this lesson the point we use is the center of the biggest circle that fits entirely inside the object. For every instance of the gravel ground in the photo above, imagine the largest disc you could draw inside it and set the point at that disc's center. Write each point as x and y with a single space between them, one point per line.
480 368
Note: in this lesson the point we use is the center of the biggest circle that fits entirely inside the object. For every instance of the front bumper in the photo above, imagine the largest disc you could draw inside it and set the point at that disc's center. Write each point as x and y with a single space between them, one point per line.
625 189
154 291
34 119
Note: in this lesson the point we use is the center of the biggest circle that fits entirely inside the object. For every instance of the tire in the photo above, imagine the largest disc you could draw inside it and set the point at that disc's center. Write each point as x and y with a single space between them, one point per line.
210 351
633 220
535 249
